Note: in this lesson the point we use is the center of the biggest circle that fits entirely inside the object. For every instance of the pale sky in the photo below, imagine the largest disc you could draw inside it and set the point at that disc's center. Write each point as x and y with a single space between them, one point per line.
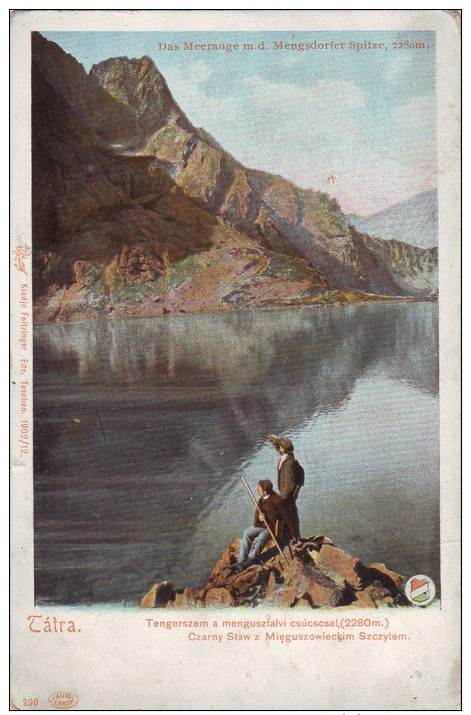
366 117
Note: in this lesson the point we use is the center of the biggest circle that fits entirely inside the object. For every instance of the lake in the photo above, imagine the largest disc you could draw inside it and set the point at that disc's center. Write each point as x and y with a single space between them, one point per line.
143 427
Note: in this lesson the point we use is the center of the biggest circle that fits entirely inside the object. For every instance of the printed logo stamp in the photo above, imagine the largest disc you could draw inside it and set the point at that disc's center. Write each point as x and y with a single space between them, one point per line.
63 700
21 253
420 590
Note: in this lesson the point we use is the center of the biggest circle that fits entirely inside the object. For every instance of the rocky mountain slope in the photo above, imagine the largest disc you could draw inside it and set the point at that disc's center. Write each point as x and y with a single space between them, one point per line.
314 574
135 212
114 235
268 207
414 221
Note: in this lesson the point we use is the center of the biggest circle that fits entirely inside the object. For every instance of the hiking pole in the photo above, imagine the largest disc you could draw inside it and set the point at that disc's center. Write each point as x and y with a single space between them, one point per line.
262 515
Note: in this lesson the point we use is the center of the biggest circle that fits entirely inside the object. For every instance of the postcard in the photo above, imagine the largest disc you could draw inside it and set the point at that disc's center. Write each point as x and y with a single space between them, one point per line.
235 270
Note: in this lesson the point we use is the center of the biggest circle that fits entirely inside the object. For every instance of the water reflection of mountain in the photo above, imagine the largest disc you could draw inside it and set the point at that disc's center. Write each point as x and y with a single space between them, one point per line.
139 422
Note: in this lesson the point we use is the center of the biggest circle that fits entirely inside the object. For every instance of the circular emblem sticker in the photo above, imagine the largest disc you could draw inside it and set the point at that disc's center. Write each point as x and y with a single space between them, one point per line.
420 590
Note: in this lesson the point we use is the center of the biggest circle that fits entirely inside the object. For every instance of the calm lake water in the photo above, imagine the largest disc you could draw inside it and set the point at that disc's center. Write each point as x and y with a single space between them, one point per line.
144 426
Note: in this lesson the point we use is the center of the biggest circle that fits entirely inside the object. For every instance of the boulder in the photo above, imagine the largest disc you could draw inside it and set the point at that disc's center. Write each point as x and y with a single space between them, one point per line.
391 580
319 596
189 599
218 598
363 599
334 577
245 581
373 596
158 596
281 598
336 560
274 580
315 543
293 572
312 584
227 558
252 596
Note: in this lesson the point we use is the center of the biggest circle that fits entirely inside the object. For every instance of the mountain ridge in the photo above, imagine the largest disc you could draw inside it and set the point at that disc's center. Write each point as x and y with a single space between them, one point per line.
414 221
143 214
309 222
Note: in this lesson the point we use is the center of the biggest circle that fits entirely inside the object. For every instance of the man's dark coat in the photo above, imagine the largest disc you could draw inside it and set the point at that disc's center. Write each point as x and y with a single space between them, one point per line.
289 491
276 509
286 477
272 510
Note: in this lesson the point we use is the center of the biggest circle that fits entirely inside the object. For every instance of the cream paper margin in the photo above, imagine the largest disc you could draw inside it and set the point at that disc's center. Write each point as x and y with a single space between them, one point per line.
116 661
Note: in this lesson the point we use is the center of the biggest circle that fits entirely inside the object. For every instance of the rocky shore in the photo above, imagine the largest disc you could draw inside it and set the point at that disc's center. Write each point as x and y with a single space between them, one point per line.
314 574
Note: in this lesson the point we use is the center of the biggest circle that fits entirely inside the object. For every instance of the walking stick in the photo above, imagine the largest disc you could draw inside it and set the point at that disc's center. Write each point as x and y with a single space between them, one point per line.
248 490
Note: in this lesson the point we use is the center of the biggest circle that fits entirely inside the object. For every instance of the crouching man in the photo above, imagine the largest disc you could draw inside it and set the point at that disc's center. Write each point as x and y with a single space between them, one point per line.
255 537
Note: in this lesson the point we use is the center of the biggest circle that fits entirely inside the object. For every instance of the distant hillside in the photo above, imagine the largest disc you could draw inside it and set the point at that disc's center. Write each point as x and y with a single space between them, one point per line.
414 221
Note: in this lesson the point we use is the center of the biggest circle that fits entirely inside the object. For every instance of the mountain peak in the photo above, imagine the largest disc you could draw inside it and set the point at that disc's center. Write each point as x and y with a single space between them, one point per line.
140 65
414 221
108 119
138 84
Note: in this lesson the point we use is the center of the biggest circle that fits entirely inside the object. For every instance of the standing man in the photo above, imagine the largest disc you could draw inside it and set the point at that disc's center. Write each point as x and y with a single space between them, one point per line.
288 482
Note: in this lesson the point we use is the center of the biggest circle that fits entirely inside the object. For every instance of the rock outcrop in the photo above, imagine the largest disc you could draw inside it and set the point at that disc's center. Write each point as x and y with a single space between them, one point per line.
315 574
137 213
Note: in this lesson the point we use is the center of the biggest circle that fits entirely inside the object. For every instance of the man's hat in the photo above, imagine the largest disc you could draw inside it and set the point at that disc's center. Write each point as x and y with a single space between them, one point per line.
281 442
286 444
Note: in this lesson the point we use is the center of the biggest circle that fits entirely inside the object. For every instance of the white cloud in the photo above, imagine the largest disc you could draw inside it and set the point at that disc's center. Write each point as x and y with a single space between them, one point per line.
370 182
198 72
293 129
318 101
292 126
290 60
414 123
418 114
401 65
187 87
